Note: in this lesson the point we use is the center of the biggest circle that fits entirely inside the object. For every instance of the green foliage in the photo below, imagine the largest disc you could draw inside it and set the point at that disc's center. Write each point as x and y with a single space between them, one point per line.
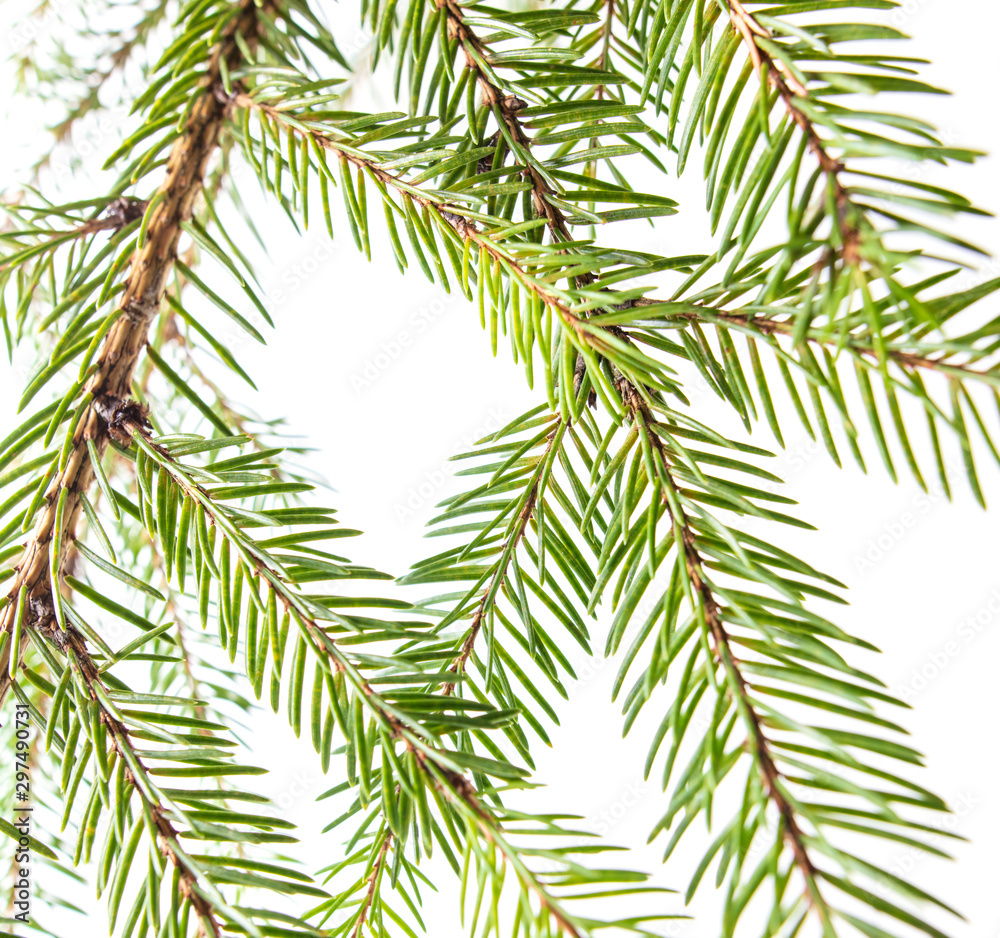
138 501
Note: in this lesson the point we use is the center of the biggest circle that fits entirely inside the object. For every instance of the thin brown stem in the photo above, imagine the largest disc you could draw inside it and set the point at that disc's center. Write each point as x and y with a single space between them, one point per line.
703 595
506 106
121 212
602 59
789 88
458 786
373 878
167 836
601 62
766 326
458 666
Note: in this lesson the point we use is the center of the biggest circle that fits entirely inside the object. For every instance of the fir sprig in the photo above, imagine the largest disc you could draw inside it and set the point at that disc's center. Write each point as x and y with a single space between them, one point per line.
151 499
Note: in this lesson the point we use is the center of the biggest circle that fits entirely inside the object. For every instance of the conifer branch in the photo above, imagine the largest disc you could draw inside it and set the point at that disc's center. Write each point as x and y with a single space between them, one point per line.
436 764
457 788
587 330
497 579
602 59
788 86
137 775
704 599
118 214
755 323
40 568
460 790
429 710
453 214
373 881
504 108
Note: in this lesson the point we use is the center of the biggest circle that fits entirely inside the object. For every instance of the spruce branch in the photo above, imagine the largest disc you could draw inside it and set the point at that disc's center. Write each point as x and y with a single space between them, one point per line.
37 582
842 267
785 645
786 83
739 592
505 108
137 774
521 463
591 310
936 357
372 882
95 708
456 216
118 214
89 700
439 768
461 224
704 600
568 505
607 334
510 545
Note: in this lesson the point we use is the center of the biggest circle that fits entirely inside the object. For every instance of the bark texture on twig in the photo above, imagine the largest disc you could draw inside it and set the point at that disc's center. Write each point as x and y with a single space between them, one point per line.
111 379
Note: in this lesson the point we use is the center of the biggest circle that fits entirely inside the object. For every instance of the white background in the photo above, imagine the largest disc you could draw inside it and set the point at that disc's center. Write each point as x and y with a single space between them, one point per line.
387 377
